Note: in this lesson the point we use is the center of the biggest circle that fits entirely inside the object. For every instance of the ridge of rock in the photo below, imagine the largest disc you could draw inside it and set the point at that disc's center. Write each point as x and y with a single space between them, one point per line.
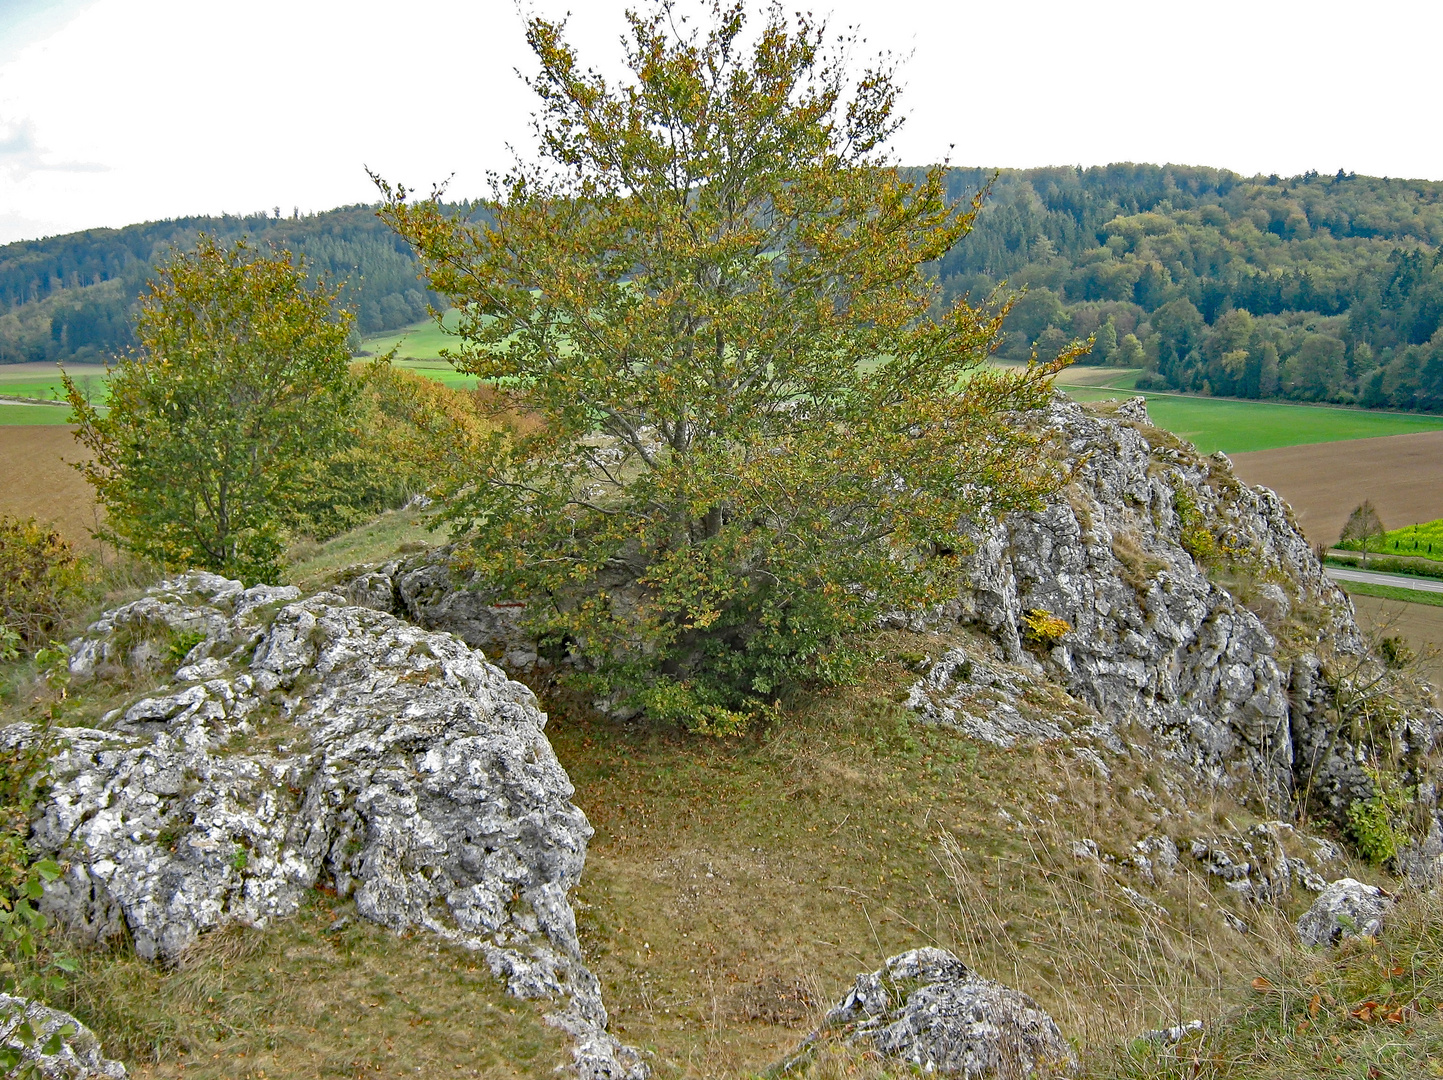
1197 611
927 1008
78 1056
307 739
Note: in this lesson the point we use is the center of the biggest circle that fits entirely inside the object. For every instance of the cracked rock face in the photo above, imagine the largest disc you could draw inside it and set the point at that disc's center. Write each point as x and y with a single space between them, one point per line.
301 740
79 1056
1119 554
927 1008
1345 908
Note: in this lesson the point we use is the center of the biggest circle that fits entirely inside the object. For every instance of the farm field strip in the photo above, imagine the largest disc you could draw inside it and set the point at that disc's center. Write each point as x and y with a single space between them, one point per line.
30 415
1236 427
1419 539
1395 581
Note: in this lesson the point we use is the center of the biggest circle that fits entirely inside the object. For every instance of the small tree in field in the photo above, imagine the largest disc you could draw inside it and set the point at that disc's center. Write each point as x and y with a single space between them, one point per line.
1363 525
240 381
747 436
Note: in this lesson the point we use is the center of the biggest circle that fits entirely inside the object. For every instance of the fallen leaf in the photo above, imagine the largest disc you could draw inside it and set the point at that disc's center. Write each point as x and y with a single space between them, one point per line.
1315 1004
1261 985
1395 1017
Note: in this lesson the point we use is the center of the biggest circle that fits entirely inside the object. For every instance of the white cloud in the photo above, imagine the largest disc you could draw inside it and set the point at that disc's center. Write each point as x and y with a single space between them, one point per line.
21 155
227 106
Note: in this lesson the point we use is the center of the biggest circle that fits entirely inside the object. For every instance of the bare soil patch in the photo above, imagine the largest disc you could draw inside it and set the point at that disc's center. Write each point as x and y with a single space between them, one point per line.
1401 474
35 480
1420 625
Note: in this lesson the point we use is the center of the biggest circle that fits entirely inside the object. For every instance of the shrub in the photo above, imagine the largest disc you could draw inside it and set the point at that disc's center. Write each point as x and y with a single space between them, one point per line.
41 580
756 425
1045 628
407 431
241 381
1193 534
1376 824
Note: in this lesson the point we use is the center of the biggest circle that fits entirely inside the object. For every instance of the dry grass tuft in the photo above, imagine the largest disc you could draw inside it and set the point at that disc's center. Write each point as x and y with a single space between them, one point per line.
307 998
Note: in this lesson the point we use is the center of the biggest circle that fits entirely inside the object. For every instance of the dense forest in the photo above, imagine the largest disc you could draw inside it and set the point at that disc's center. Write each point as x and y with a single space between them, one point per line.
72 297
1313 287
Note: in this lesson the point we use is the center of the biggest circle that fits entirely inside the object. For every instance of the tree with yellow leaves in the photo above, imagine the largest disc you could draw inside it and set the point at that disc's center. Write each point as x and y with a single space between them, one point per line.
750 433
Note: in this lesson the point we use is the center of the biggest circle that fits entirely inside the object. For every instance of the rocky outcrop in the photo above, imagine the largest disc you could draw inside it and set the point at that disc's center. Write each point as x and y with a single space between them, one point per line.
301 741
430 591
1194 609
1256 865
1185 610
928 1009
53 1043
1345 908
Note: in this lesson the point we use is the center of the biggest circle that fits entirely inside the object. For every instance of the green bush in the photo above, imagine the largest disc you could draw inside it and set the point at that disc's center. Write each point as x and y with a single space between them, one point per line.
42 579
406 431
1376 824
1194 535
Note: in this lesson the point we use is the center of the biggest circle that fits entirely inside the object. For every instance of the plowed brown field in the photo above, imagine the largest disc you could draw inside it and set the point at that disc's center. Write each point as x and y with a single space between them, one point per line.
1420 625
36 482
1401 474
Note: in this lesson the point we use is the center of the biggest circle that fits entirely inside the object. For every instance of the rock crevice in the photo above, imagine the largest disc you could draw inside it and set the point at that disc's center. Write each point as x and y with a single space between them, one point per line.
299 741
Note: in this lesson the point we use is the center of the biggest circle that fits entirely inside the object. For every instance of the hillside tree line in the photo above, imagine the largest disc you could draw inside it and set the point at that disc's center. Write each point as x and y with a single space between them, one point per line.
76 297
1311 288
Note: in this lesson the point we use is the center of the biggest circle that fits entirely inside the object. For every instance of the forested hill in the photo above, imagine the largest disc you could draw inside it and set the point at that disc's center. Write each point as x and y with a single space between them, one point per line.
1316 288
71 297
1313 287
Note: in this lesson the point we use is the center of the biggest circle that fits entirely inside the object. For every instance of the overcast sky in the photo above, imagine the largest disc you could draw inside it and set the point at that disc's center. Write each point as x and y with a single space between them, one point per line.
117 111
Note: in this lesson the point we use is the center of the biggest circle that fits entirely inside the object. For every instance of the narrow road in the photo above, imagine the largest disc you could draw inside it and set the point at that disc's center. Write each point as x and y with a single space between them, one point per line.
1372 577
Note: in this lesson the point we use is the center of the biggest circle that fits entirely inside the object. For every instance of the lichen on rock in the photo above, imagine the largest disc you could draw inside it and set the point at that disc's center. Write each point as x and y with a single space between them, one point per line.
53 1043
307 740
928 1009
1346 908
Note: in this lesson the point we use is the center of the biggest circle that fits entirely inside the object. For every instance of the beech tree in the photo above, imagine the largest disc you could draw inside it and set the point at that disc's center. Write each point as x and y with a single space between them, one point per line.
1363 525
240 383
747 433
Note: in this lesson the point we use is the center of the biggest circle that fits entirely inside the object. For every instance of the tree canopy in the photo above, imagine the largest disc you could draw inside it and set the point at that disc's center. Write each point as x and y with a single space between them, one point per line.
240 385
755 427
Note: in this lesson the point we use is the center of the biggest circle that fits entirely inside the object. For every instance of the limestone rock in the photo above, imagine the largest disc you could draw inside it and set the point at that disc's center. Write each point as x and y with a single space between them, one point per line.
302 740
1345 908
79 1056
995 702
927 1008
1124 553
428 590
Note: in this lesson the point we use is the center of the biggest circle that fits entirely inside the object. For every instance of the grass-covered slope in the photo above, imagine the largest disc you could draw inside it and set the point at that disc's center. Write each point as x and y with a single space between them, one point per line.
735 887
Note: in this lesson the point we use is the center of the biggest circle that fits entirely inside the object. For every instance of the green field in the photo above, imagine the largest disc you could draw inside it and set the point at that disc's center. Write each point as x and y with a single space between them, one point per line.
1239 426
1391 592
12 415
418 348
42 381
1424 540
1209 423
419 341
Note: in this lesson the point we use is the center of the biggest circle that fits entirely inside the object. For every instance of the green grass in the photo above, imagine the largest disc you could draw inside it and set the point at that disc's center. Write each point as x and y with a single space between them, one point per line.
1366 1008
1391 592
419 349
419 341
1237 427
314 566
1424 540
308 997
25 415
